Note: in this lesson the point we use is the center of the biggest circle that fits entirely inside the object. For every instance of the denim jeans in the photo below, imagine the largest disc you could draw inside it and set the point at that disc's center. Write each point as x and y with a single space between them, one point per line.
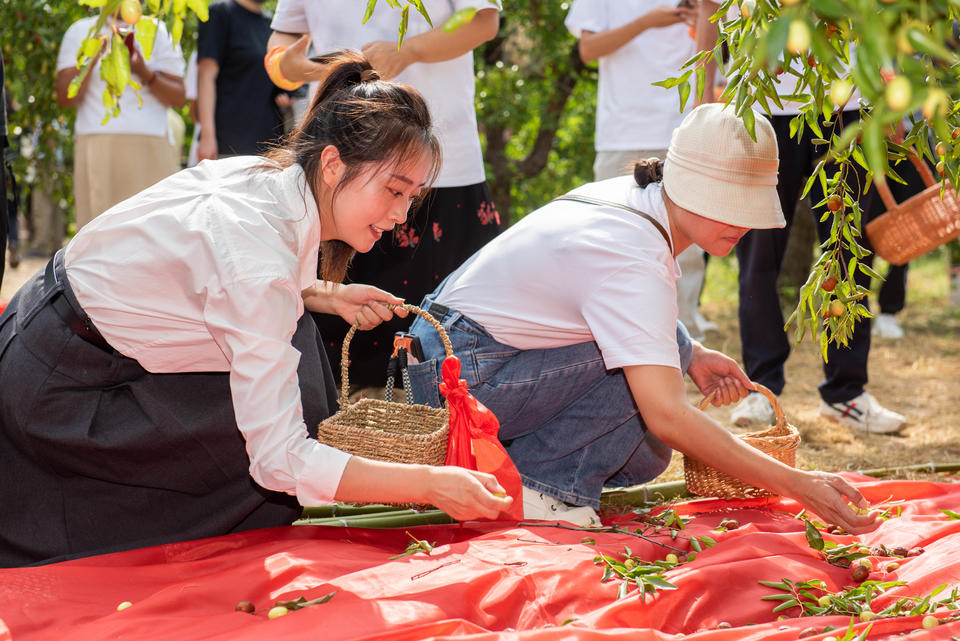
570 425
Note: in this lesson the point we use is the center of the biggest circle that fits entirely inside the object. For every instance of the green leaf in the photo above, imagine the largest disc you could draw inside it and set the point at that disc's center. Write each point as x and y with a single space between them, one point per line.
146 36
749 122
814 538
684 94
875 148
177 31
459 18
659 583
199 7
950 513
371 5
786 605
402 30
670 83
423 10
90 47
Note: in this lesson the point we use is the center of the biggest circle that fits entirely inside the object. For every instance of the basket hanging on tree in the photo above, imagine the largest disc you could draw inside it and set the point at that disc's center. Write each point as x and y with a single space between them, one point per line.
919 224
779 441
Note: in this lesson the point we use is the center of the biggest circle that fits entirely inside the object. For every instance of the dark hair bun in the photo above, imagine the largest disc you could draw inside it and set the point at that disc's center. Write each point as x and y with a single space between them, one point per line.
648 171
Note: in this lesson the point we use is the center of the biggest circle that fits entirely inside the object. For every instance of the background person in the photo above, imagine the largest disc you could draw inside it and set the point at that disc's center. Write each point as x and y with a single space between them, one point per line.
581 357
160 376
457 216
116 159
637 43
239 108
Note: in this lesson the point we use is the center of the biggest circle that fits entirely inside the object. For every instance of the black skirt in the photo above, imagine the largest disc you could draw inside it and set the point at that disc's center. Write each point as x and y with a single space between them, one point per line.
452 224
98 455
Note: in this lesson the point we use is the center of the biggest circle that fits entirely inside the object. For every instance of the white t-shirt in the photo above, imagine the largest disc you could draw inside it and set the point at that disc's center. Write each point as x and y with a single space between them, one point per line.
448 87
202 273
571 273
151 118
631 113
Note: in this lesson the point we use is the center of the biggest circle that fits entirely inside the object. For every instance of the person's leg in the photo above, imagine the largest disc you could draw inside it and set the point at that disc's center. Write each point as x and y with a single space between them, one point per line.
568 423
765 346
4 221
84 171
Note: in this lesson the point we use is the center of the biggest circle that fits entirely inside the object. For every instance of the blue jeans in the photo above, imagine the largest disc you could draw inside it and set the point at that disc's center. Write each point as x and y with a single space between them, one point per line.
570 425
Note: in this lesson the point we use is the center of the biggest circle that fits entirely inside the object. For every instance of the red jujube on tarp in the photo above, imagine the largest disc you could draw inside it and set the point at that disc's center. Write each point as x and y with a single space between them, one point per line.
473 440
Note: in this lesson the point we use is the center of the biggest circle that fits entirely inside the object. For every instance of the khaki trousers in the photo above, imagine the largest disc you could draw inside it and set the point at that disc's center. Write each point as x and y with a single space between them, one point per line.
109 168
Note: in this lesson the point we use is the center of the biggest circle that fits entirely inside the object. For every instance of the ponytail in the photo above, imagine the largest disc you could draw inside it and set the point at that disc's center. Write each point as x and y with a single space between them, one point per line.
648 171
369 121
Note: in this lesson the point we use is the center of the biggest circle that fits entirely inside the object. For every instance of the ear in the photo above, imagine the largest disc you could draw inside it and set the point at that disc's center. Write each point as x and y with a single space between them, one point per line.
331 166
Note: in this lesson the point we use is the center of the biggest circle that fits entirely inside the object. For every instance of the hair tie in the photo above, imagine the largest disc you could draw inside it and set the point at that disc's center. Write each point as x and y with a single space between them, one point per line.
368 75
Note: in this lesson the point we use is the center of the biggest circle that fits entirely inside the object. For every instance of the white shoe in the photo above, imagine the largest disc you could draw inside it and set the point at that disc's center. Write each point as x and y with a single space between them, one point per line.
705 324
887 326
864 413
755 409
541 507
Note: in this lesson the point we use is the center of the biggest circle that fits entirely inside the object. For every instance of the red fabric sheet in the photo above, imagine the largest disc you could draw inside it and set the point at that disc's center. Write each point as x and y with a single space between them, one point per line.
482 582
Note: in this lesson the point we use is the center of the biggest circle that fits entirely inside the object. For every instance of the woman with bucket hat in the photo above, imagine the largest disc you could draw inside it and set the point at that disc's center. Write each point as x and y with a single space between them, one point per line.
566 327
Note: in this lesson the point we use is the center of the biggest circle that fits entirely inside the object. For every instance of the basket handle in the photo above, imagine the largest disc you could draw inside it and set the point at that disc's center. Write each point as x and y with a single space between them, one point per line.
345 350
774 401
925 175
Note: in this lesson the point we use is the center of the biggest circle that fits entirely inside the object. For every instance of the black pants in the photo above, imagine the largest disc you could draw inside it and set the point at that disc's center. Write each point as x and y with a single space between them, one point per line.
4 220
765 345
98 455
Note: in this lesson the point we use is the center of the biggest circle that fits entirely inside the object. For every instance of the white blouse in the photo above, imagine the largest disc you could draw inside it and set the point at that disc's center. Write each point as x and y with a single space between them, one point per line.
202 273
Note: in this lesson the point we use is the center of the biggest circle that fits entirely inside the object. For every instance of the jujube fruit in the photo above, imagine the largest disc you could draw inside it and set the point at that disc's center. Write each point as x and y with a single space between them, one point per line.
859 573
245 606
130 11
837 308
834 202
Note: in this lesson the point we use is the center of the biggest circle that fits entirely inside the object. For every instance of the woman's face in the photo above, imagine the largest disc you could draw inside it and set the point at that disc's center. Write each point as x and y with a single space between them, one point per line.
714 237
373 202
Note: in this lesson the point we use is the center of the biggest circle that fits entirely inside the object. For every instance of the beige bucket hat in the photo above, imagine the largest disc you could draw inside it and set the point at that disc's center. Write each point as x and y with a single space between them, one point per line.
716 170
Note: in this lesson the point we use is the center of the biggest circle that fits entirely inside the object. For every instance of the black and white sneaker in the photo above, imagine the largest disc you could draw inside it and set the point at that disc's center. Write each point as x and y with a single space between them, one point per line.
864 413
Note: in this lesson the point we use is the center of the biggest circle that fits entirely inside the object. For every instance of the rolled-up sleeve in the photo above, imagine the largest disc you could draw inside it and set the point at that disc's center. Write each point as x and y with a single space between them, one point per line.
265 388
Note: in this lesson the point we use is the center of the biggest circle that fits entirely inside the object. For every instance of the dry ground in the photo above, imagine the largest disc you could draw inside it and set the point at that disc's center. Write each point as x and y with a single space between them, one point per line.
918 376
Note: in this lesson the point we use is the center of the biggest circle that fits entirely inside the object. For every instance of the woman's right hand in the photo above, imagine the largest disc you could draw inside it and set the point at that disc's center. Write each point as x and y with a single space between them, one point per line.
666 15
463 494
466 494
207 146
827 495
296 66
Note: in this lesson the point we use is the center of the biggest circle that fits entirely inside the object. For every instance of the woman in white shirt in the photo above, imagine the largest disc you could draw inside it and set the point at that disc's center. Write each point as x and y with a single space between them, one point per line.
566 328
160 376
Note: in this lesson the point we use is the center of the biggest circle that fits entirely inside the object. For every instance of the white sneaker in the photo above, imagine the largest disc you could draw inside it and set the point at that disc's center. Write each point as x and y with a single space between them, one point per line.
705 324
755 409
541 507
887 326
864 413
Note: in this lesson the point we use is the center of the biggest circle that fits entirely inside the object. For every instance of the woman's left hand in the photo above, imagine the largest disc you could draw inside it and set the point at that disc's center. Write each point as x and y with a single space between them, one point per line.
365 305
386 58
713 371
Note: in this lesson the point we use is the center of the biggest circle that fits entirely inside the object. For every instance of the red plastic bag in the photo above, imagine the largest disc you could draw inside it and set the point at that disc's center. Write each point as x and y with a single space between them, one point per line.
473 440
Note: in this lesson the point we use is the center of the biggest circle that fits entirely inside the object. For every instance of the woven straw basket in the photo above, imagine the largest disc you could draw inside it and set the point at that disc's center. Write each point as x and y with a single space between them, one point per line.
384 430
919 224
780 441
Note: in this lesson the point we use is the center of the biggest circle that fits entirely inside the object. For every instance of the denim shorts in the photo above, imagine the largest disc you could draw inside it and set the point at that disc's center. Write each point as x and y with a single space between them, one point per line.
570 425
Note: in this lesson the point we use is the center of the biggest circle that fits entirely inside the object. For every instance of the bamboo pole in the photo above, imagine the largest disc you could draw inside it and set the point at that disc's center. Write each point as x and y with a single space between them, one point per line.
388 516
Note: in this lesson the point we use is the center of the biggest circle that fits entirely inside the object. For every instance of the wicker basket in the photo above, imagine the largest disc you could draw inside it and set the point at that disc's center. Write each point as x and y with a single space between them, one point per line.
385 430
779 441
919 224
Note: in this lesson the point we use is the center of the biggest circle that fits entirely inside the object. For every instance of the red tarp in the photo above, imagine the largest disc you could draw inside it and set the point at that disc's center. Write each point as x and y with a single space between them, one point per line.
482 581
